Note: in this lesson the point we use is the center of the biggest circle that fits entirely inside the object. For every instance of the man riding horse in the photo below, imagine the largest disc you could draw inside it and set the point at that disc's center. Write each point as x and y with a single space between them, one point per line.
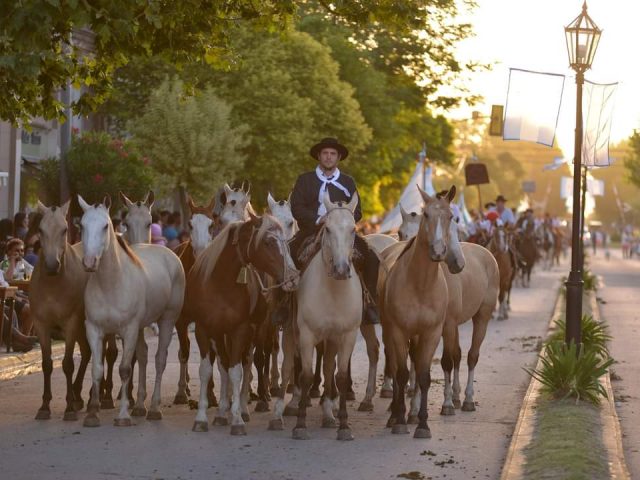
308 210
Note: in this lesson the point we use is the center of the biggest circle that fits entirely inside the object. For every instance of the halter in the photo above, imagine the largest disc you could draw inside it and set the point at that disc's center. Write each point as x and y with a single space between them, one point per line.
247 263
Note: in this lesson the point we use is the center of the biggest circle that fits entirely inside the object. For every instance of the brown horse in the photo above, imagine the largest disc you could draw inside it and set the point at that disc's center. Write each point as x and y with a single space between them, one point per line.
527 252
558 246
413 304
499 247
219 299
57 303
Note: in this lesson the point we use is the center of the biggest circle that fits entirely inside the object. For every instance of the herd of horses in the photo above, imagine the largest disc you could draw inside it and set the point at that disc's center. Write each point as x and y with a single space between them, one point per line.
225 279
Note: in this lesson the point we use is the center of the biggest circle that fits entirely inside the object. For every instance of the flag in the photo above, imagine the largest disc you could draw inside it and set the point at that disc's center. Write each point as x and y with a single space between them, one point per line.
566 187
533 106
557 163
595 187
597 104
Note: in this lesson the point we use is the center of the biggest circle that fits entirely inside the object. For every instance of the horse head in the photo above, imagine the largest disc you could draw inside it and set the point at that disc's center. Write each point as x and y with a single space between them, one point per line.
96 232
435 224
138 219
261 240
410 224
201 225
499 238
53 235
338 235
237 205
282 211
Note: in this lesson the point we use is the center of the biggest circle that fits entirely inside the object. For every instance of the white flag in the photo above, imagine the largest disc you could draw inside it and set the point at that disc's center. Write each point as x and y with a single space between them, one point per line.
533 105
595 187
597 104
566 187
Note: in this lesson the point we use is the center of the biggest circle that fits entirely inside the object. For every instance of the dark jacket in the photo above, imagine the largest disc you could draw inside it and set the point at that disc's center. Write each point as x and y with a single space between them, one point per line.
304 198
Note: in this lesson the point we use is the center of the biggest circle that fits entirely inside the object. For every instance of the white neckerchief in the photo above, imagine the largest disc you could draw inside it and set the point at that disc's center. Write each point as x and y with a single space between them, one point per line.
333 180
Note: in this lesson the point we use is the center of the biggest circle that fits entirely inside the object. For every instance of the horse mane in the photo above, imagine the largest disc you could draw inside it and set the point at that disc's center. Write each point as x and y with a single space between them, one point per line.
267 224
127 249
207 260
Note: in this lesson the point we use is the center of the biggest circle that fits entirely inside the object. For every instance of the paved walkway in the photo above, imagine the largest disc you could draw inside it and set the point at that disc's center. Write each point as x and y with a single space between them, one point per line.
467 446
621 292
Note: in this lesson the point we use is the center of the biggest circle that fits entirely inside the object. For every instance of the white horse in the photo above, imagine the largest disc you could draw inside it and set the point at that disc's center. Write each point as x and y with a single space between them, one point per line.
138 219
130 288
237 206
329 309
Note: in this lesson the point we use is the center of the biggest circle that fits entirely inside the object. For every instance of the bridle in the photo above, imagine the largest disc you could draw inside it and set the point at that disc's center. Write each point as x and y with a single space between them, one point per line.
246 260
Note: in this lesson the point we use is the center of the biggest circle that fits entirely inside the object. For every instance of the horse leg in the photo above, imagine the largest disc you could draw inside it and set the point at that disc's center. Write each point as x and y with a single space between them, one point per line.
275 373
412 369
457 357
129 345
201 423
211 396
111 354
447 364
426 348
223 368
244 391
142 351
386 391
182 328
401 375
351 395
330 391
165 329
260 361
412 391
95 337
345 349
480 323
85 356
317 378
373 352
277 422
44 336
306 344
239 342
291 410
68 367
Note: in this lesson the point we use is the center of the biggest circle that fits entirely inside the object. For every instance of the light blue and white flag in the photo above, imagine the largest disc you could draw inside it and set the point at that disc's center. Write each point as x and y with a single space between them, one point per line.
557 163
533 106
597 104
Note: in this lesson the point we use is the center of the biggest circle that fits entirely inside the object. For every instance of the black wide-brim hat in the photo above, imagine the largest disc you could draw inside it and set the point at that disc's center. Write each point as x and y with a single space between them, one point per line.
500 198
329 142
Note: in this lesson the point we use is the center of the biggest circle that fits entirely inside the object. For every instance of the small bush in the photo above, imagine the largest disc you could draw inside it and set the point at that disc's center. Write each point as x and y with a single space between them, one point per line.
590 281
595 335
566 373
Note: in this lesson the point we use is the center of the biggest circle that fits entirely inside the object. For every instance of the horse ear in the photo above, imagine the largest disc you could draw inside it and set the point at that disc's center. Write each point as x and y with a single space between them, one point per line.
212 204
107 201
353 203
248 187
190 203
227 189
425 196
326 201
84 205
42 208
149 199
289 198
125 199
271 201
64 207
403 213
452 193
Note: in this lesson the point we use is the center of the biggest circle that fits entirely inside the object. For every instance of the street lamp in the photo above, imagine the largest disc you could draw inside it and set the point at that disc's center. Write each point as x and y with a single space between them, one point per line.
582 36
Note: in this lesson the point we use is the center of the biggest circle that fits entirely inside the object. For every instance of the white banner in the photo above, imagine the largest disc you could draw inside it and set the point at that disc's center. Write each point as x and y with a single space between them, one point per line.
597 104
533 106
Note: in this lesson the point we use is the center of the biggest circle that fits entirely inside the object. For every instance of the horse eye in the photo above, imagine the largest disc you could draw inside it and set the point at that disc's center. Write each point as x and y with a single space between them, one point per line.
105 227
426 215
148 225
190 225
290 224
233 203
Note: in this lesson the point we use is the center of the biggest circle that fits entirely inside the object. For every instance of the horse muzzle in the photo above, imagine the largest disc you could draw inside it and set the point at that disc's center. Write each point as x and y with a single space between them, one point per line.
52 268
90 264
341 271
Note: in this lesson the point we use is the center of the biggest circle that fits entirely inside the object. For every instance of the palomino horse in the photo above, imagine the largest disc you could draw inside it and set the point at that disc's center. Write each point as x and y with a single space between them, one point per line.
131 287
499 247
527 252
219 298
329 310
138 219
413 304
57 303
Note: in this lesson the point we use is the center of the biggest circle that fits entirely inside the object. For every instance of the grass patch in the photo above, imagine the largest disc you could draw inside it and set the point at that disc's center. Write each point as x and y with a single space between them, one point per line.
567 443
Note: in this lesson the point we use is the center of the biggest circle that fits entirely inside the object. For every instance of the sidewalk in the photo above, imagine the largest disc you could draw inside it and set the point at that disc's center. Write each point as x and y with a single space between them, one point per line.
13 364
620 292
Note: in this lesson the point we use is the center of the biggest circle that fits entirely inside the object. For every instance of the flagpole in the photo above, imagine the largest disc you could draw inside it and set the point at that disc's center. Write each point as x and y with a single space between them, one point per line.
423 160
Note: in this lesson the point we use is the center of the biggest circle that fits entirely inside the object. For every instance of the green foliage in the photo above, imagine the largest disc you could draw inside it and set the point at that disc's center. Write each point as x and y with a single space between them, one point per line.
566 373
595 335
49 180
590 280
189 139
100 165
632 160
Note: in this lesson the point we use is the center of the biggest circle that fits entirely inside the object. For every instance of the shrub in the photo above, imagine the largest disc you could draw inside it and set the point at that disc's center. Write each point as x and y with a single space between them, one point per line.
590 281
595 335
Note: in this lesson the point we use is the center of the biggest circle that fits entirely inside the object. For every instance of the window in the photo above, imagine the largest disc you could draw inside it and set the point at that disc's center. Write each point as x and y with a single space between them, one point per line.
36 139
25 136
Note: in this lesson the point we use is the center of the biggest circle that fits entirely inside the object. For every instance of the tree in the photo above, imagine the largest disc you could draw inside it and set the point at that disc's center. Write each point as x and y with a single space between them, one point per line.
632 160
189 140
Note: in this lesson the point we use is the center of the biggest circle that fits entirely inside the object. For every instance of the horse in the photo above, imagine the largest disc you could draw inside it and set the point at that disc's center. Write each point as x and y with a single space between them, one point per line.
413 303
237 205
130 288
558 246
547 241
328 309
499 247
218 296
57 304
527 252
201 224
138 219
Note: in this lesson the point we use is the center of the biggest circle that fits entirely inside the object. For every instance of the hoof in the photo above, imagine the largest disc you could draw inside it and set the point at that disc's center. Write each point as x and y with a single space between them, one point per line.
91 420
261 406
422 433
391 422
290 411
365 407
245 417
181 399
456 403
122 422
274 391
412 420
329 422
200 427
468 407
70 416
300 434
386 393
314 393
399 428
447 410
344 434
139 412
276 424
107 404
154 415
78 405
43 415
238 430
220 421
351 396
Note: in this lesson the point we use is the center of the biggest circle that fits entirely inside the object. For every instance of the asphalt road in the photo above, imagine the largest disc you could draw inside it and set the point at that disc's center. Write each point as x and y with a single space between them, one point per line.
465 446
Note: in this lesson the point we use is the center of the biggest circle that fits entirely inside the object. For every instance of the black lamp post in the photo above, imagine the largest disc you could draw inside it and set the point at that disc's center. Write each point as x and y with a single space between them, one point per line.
582 36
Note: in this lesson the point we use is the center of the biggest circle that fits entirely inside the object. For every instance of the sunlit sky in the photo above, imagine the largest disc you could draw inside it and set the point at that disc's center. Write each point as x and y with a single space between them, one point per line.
530 35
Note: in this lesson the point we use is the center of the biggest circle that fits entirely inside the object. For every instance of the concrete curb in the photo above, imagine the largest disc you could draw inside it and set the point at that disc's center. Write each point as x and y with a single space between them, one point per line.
16 364
513 468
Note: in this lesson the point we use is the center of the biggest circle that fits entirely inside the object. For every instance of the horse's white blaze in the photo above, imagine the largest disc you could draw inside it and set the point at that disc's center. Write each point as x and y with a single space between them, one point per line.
200 232
206 370
94 235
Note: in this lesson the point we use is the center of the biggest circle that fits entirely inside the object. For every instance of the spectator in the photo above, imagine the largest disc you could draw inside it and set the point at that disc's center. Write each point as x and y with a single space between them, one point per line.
170 231
32 239
14 267
20 226
6 233
156 230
